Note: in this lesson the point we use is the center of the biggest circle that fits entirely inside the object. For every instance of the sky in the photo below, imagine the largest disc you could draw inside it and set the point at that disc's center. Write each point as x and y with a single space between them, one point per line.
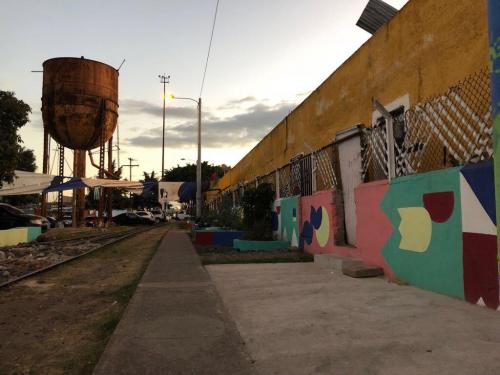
266 57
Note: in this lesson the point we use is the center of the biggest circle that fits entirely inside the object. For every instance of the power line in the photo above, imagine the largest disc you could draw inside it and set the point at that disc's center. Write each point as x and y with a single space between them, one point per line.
209 48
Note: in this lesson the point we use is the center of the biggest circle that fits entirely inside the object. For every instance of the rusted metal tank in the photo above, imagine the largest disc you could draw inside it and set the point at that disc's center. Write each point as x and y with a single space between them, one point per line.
79 101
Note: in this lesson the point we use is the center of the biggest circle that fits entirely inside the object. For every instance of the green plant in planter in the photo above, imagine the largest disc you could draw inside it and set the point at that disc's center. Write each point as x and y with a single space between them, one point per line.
257 212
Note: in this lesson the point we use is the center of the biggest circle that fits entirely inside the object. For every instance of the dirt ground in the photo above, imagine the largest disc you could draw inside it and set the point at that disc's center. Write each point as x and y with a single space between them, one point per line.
227 255
60 321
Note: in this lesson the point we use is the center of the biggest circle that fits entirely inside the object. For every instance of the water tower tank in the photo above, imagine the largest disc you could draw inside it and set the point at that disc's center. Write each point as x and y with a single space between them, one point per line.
79 101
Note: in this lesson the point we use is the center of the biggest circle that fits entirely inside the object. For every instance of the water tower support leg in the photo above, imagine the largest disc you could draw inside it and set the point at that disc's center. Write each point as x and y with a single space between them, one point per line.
60 195
110 191
79 170
46 159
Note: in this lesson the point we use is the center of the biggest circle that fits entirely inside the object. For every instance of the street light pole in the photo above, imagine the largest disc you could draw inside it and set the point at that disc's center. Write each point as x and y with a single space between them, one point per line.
198 166
199 200
163 79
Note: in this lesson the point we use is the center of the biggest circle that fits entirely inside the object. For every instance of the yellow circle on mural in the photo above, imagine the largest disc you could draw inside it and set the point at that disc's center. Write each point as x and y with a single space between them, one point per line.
323 232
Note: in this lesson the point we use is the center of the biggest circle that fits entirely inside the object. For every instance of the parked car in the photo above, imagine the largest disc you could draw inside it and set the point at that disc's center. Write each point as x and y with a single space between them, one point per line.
67 220
91 221
52 221
131 218
182 216
12 217
158 214
146 214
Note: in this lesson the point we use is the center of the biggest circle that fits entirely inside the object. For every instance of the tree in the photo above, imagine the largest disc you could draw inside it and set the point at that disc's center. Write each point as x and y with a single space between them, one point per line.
25 162
14 114
187 173
257 213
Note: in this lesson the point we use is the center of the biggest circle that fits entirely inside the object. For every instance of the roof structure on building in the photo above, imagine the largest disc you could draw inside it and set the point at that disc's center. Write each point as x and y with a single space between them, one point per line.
376 14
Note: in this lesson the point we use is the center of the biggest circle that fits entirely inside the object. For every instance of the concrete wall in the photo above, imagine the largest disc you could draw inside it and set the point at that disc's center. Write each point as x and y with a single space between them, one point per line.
11 237
435 230
427 47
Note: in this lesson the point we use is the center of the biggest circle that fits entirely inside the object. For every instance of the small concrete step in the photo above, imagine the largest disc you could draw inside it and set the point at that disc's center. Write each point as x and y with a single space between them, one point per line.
330 261
357 270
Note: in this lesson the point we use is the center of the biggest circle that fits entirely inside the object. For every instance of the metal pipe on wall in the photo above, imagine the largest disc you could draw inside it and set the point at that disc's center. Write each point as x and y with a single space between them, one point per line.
494 37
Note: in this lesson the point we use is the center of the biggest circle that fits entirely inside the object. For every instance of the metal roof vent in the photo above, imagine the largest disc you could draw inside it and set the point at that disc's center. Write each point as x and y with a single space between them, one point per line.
376 14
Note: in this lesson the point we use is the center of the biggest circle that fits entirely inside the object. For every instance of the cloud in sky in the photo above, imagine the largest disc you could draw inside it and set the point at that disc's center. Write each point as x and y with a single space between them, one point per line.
239 130
140 107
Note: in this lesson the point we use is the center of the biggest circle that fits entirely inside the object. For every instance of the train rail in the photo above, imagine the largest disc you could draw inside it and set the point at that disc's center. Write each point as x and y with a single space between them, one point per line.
31 259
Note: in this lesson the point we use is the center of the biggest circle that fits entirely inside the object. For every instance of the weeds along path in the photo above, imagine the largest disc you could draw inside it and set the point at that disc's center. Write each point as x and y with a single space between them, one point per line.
58 322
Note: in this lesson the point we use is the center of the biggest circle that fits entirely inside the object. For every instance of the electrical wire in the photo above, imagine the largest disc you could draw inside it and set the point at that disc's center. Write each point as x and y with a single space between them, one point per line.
209 49
54 160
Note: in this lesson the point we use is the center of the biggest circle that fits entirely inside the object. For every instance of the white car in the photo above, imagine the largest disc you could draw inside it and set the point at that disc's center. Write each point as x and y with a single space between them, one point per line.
147 215
158 214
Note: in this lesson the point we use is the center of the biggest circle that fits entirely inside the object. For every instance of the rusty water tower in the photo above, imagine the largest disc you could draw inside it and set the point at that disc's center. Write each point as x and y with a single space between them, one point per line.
80 112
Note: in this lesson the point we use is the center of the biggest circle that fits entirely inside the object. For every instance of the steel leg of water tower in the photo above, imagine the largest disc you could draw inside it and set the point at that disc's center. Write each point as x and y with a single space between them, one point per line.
46 158
110 191
79 170
60 196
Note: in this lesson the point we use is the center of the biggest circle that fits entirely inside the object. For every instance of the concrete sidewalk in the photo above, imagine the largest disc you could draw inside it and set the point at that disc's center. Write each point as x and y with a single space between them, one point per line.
301 319
176 322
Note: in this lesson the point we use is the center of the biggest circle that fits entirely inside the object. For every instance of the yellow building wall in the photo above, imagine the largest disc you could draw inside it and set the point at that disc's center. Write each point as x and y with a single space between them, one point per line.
426 48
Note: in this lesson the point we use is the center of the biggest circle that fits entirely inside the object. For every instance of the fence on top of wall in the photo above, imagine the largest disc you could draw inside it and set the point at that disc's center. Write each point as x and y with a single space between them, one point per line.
447 130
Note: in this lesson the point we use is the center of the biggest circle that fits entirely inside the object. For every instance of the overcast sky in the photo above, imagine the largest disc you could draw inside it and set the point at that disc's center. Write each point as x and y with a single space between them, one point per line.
267 56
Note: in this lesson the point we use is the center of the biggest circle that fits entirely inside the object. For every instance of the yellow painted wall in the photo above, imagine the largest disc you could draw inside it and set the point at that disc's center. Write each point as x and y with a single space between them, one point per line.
11 237
426 48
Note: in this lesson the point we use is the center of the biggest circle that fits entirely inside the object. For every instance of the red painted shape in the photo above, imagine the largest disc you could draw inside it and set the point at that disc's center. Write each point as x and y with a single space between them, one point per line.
321 199
373 227
481 269
204 238
440 205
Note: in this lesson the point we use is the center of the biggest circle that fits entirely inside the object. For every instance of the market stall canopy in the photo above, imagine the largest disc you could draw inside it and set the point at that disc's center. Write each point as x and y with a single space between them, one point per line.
37 183
27 183
82 182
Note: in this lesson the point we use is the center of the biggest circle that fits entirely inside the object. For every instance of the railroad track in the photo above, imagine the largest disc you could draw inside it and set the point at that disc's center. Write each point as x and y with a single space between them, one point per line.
34 258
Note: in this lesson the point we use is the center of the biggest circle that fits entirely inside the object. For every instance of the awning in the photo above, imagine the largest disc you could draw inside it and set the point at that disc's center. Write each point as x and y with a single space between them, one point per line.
36 183
27 183
82 183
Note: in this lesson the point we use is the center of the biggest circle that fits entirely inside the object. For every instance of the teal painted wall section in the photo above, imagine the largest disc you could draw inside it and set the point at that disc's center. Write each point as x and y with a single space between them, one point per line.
289 220
425 248
33 233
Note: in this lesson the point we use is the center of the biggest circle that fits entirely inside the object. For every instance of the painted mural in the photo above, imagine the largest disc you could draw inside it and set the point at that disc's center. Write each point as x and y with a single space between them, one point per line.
425 248
286 220
373 227
276 219
317 223
479 230
435 230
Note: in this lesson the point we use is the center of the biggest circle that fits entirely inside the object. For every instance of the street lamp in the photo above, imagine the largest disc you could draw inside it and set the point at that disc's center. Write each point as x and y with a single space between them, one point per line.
198 163
163 79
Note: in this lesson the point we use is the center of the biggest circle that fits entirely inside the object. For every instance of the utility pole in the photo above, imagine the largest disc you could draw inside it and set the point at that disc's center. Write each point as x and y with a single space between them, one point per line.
163 79
130 166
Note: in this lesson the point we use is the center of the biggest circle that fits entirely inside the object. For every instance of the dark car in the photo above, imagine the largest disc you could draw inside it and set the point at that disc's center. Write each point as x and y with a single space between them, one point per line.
130 218
52 221
12 217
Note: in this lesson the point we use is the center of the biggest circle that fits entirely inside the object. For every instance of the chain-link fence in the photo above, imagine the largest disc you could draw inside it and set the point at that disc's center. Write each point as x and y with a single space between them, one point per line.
447 130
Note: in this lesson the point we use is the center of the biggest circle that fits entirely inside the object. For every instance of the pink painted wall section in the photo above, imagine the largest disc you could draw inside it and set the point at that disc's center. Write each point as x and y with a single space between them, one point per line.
373 227
317 223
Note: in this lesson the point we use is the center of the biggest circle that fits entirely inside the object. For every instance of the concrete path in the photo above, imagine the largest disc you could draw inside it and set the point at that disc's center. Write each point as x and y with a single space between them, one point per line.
175 322
302 319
